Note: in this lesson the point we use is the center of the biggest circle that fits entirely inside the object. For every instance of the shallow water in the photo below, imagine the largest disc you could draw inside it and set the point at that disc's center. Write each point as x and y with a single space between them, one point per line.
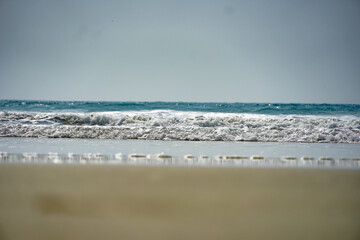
177 148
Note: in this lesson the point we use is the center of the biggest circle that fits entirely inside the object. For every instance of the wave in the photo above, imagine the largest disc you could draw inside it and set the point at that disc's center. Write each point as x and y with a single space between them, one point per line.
219 107
179 125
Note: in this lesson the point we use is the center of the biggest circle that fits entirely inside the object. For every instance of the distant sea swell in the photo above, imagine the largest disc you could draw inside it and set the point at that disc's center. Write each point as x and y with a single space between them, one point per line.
181 121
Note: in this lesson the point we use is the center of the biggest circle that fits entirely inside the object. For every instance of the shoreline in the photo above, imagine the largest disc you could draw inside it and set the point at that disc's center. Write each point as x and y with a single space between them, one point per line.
177 148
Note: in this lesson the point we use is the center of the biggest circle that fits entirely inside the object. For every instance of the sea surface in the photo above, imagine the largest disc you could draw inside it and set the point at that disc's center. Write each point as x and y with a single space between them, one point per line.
181 121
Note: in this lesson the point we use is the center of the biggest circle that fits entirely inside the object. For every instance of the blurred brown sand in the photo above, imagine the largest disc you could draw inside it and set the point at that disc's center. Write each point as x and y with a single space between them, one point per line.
139 202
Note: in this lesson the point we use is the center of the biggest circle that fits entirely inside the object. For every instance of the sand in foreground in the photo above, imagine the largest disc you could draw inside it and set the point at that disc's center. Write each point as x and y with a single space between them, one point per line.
132 202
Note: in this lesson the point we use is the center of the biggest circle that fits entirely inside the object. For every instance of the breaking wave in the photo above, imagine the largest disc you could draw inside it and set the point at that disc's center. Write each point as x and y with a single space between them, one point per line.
180 125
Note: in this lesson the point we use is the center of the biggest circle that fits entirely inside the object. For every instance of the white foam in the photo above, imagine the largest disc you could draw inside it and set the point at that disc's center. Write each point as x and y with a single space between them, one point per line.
178 125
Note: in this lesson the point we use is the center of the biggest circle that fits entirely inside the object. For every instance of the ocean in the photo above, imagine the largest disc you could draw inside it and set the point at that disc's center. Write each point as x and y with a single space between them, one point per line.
184 121
180 128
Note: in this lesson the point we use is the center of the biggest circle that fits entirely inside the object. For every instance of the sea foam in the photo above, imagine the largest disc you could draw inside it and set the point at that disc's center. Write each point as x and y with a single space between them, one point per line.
182 125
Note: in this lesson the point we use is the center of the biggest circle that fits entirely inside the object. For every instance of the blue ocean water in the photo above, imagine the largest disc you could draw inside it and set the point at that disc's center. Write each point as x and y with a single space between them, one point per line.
218 107
186 121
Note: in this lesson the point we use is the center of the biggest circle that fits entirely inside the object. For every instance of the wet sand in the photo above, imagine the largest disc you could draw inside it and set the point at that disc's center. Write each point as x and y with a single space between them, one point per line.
138 202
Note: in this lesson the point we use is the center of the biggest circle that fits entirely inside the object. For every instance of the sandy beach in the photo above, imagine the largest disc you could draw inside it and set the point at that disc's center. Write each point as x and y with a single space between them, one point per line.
134 202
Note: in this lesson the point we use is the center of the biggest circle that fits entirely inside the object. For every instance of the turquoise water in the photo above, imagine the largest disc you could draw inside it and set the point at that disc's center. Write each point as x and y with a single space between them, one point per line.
184 121
253 108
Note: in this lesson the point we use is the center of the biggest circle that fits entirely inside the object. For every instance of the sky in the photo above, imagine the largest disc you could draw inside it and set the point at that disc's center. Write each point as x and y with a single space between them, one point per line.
282 51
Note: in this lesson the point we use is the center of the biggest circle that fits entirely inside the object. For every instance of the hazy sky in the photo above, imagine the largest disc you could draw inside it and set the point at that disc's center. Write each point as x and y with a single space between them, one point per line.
228 51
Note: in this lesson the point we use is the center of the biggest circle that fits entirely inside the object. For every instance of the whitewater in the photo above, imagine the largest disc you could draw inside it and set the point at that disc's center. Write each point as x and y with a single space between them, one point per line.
261 122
